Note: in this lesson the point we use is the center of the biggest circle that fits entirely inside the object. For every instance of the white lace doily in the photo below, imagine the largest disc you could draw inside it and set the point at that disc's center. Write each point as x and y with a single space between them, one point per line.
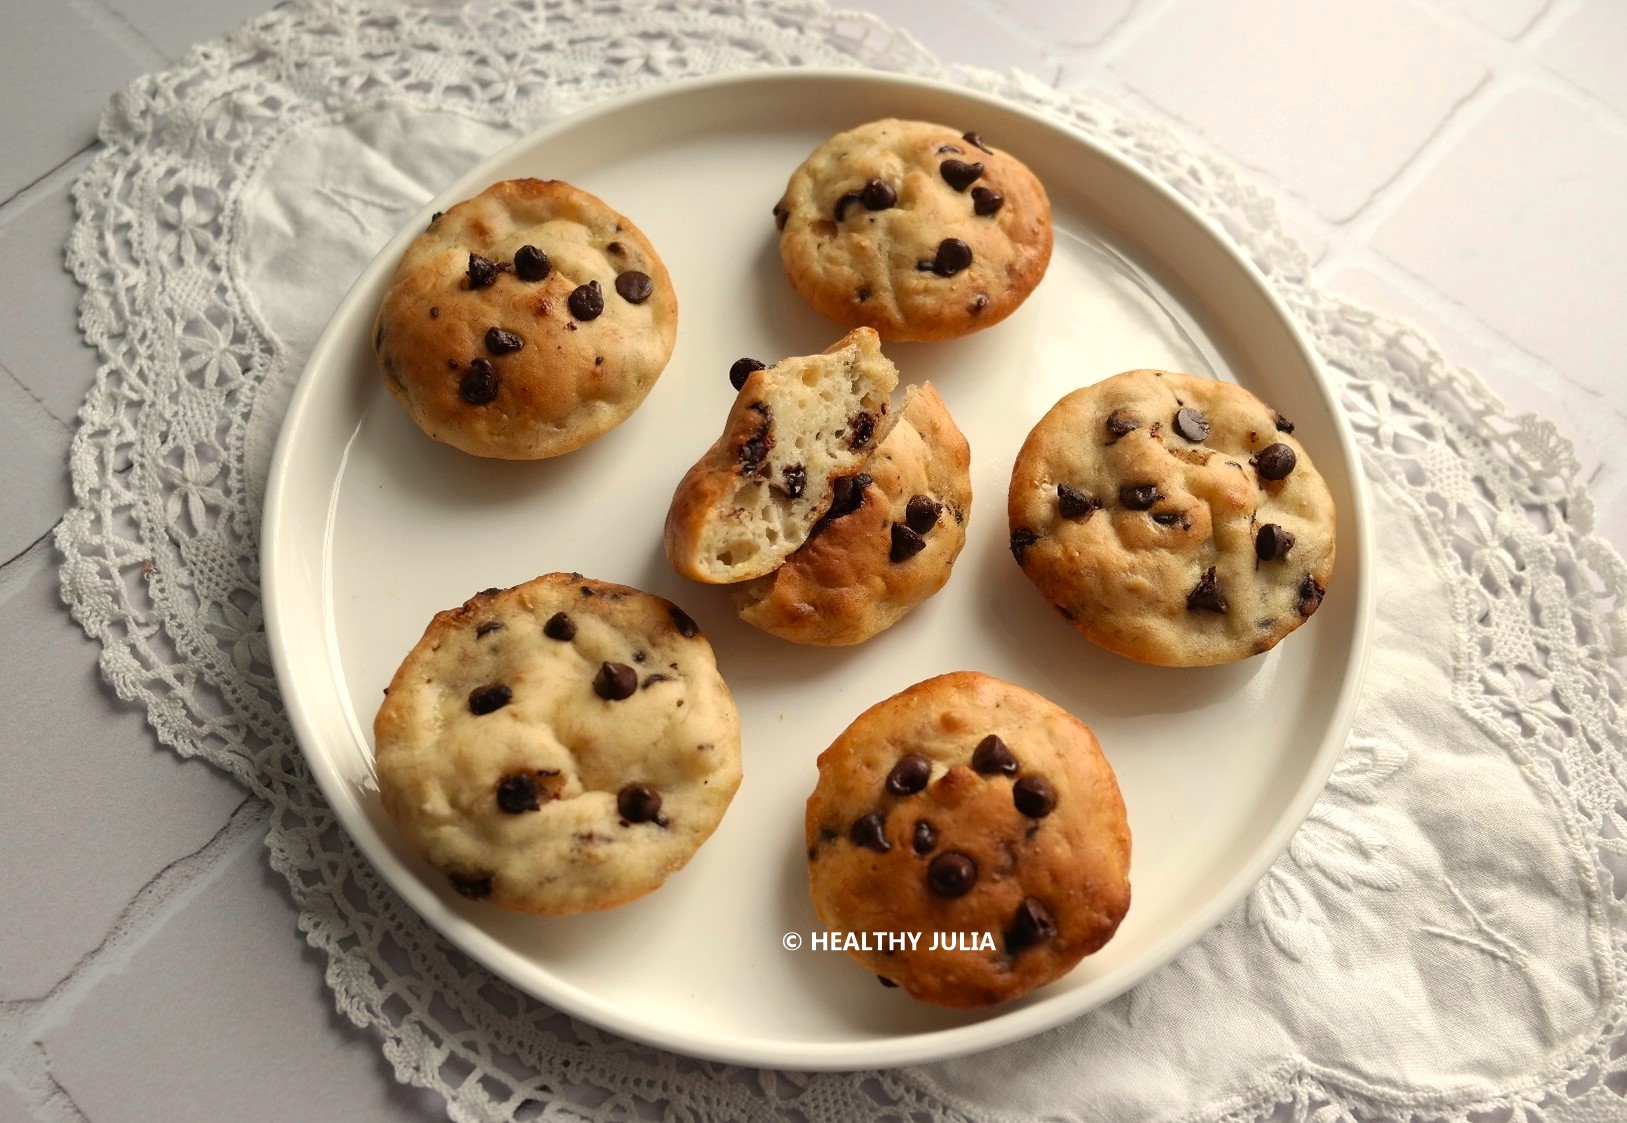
1443 939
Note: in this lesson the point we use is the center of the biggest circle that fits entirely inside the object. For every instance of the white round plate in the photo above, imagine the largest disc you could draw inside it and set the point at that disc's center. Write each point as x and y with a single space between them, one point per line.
371 528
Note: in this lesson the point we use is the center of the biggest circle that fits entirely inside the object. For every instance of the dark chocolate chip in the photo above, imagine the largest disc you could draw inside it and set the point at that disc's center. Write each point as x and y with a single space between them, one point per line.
482 271
519 793
953 256
951 874
974 139
615 681
959 174
560 627
796 479
436 217
634 286
1272 542
847 494
1034 796
1032 924
754 452
863 294
1192 425
921 512
500 342
1282 423
1021 539
616 248
485 699
926 837
906 543
1139 497
478 386
1310 595
487 628
870 832
879 195
1274 462
979 302
986 202
885 981
531 264
434 313
1170 518
651 680
993 756
638 803
909 775
1206 594
1119 422
586 301
780 215
861 427
473 886
1072 503
684 622
847 201
742 370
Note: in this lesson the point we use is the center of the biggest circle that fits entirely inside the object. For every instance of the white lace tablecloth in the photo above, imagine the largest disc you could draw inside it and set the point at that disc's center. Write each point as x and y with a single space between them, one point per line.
1443 939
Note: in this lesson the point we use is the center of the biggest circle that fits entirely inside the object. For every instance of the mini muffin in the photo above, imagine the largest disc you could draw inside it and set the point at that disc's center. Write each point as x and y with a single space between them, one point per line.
1172 519
886 544
526 322
558 747
968 808
796 428
920 231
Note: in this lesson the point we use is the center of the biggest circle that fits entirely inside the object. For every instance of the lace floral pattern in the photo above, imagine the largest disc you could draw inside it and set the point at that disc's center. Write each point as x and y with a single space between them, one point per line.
161 554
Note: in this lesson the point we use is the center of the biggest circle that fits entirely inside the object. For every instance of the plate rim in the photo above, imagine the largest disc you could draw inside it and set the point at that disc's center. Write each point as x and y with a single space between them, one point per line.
867 1053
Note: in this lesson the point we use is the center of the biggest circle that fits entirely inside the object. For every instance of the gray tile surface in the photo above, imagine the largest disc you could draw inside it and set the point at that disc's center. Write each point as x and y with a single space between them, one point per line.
33 464
1533 259
223 1015
1586 49
39 301
175 26
1348 127
59 67
92 808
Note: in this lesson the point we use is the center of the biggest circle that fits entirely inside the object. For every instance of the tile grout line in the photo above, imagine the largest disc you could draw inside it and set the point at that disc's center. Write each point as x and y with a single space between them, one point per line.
1511 65
149 909
36 399
124 34
23 567
46 181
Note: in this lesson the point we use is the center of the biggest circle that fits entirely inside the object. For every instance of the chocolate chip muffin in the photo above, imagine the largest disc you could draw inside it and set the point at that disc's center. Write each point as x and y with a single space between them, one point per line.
969 807
887 543
558 747
1173 519
526 322
796 428
920 231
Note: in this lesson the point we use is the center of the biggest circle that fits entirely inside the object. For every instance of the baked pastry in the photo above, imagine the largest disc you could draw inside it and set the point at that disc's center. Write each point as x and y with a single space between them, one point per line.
795 429
887 543
558 747
920 231
972 809
526 322
1173 519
